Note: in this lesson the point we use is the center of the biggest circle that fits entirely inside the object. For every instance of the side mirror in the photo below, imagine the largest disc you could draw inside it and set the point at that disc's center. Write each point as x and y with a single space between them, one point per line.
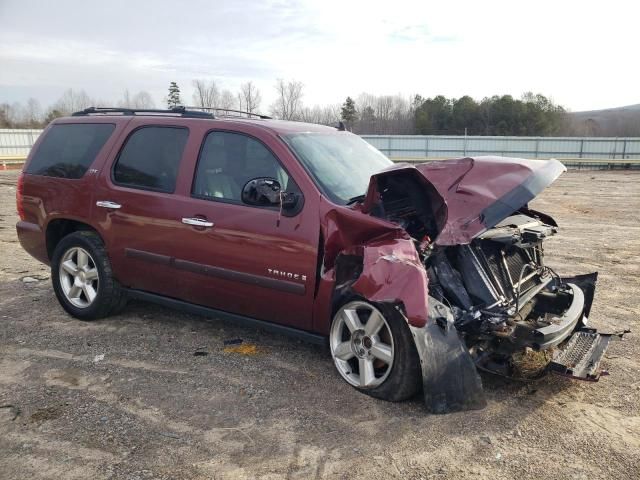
263 192
267 192
289 200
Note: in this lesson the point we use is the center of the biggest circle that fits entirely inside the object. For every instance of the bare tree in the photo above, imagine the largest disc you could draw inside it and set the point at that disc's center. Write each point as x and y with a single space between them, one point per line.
365 104
384 109
386 114
33 113
206 94
4 122
126 100
17 114
72 101
249 97
227 101
7 115
331 114
289 100
323 115
311 114
143 99
365 100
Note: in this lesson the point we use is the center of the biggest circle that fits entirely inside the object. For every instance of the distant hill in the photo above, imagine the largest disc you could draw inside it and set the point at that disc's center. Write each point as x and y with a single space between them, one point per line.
626 108
609 122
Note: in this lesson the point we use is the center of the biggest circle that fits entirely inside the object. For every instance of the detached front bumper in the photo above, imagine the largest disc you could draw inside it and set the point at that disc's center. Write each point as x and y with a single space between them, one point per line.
579 349
574 317
450 380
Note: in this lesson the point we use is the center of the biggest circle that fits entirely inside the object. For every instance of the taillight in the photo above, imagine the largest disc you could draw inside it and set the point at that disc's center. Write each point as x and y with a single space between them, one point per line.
19 196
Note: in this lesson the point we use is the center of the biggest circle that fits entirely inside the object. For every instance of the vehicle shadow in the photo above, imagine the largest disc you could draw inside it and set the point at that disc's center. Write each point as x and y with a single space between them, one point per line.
529 394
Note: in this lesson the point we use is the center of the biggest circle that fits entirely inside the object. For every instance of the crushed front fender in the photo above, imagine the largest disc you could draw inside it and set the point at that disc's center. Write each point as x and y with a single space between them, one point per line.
390 272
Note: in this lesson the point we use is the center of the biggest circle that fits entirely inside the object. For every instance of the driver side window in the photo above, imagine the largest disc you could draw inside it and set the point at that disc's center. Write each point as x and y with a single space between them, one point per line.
228 161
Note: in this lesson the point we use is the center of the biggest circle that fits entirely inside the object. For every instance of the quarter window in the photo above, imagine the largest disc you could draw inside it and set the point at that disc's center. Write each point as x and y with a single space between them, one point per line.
150 159
68 150
229 160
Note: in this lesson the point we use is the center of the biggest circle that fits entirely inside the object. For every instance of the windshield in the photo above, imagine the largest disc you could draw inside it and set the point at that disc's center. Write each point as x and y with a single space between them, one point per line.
341 163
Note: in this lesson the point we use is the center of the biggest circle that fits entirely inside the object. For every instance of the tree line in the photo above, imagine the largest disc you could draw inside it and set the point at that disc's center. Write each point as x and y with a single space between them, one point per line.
33 115
394 114
530 115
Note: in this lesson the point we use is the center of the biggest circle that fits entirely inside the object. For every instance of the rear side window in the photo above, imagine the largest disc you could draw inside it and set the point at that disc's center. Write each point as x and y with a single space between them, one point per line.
151 158
68 150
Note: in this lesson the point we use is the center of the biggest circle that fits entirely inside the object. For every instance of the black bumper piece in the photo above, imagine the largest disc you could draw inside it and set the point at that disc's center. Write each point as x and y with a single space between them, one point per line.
580 356
552 335
574 318
450 380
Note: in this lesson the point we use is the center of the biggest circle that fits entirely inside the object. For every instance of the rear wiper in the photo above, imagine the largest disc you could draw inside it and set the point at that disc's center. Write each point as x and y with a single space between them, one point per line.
357 198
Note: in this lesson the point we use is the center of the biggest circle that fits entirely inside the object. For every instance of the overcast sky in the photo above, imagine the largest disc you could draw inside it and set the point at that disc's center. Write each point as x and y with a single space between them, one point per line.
583 54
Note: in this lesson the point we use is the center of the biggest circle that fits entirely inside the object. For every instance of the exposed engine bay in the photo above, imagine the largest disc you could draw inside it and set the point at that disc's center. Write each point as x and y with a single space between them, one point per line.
500 291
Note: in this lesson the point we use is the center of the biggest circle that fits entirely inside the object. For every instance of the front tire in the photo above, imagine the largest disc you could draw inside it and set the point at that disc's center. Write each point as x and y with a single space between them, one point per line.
82 277
373 350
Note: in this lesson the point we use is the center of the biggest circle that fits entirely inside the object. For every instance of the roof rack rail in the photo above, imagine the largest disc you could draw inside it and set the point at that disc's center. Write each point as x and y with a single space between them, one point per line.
216 109
182 111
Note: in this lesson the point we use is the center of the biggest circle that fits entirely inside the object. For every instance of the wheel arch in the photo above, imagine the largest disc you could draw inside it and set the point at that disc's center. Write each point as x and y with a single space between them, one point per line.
59 228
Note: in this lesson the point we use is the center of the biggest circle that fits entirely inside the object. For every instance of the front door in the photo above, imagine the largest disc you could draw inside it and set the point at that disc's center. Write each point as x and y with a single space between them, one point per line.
255 261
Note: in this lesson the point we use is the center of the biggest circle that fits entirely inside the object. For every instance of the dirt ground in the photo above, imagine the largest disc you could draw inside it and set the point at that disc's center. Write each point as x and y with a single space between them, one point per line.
125 397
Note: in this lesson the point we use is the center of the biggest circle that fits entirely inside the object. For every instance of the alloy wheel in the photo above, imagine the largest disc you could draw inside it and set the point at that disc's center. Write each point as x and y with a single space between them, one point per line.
361 345
79 277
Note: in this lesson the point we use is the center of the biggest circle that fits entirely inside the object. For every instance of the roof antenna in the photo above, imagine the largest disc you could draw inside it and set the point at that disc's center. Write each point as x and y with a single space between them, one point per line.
341 126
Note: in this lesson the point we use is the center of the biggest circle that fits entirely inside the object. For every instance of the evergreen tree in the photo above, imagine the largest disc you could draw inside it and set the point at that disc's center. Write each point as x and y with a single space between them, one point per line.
52 114
497 115
173 99
349 113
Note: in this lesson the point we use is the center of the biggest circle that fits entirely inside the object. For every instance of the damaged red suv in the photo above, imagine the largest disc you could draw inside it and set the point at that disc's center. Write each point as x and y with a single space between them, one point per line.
417 275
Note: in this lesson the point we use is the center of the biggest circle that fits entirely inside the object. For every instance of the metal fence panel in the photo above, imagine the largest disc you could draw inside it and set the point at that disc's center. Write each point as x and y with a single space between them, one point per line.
428 146
17 143
632 148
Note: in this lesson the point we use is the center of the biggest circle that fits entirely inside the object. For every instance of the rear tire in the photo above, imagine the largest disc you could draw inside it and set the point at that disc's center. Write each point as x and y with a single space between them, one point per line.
82 277
374 351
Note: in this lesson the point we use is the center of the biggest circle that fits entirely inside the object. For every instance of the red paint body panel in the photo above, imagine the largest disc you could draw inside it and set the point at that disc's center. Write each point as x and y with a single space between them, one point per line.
470 189
392 272
46 199
391 268
471 185
244 239
32 240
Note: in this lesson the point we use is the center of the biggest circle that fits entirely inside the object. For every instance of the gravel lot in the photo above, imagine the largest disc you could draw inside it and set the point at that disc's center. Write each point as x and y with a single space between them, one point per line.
125 397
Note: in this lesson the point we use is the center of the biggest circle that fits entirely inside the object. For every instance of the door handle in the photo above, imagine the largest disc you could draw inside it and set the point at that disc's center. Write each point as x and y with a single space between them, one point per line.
108 204
198 222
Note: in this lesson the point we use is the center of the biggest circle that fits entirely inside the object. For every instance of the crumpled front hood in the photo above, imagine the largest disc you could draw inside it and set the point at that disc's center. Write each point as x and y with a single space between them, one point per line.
479 192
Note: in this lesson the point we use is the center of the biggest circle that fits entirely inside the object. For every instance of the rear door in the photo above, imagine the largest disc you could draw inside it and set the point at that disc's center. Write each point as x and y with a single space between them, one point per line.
255 261
137 205
58 180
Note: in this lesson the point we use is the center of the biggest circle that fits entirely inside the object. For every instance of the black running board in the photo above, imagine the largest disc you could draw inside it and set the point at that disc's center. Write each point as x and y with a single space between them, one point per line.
234 318
580 357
